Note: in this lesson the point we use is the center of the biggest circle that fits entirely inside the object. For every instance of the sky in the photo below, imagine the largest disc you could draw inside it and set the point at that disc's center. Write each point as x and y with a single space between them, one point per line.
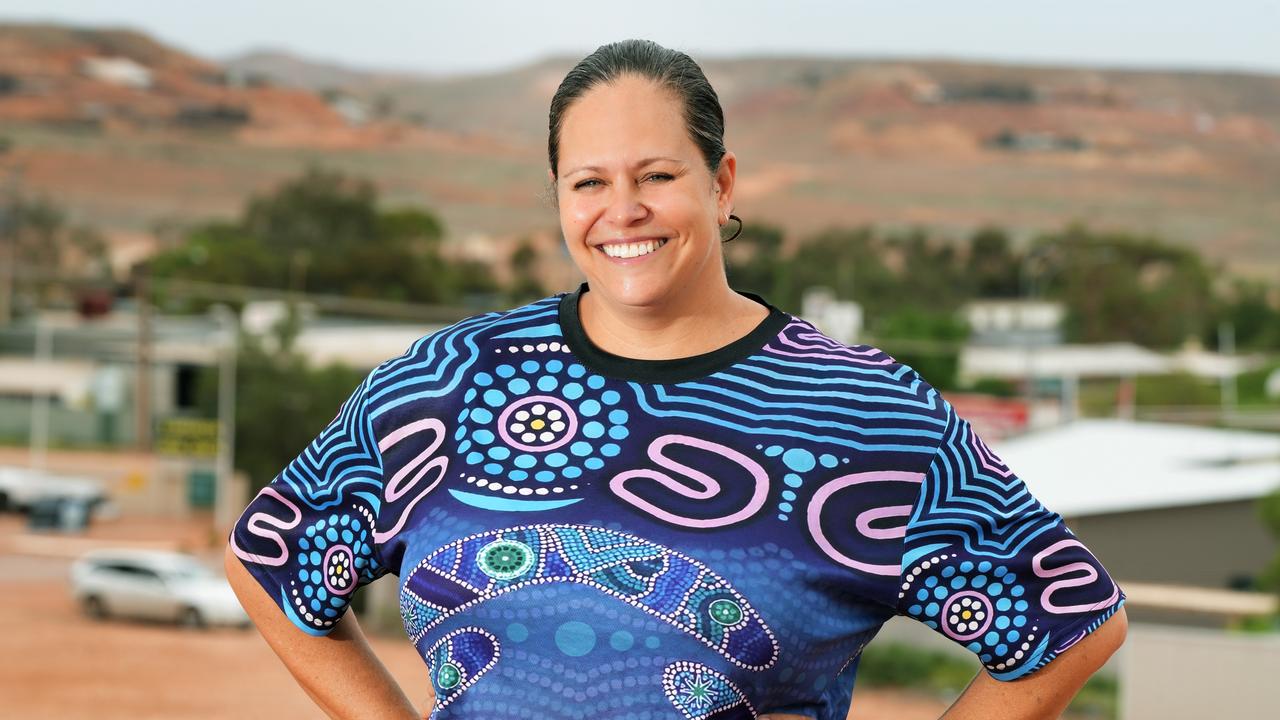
489 35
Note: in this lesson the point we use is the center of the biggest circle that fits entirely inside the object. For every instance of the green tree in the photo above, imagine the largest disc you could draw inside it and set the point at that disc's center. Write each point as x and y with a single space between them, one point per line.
323 232
992 265
1118 286
754 262
524 272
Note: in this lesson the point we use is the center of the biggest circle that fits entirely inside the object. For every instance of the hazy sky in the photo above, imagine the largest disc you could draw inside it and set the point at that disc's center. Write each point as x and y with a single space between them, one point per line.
442 37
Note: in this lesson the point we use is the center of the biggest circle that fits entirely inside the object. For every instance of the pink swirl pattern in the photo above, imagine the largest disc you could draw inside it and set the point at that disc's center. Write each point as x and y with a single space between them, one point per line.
706 486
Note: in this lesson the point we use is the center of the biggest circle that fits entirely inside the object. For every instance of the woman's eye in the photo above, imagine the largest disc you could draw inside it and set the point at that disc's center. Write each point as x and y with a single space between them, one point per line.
653 176
584 183
662 176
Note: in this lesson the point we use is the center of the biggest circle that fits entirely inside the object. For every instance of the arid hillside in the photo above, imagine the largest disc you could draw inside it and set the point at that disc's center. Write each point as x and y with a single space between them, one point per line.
128 134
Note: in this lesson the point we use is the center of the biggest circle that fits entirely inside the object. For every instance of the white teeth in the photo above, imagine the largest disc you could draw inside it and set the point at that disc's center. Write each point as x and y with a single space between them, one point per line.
630 250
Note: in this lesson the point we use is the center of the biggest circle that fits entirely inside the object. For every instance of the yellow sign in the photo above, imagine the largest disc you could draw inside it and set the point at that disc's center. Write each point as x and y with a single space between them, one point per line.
189 437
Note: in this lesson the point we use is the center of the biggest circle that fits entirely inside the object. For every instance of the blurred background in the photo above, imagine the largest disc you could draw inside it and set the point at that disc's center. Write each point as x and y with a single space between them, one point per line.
214 220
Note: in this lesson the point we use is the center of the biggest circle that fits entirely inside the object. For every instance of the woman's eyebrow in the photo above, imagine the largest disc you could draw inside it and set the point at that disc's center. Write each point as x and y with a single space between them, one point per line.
642 163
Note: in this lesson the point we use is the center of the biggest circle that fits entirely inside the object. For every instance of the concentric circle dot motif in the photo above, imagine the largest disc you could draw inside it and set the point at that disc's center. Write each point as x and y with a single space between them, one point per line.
505 559
449 676
725 612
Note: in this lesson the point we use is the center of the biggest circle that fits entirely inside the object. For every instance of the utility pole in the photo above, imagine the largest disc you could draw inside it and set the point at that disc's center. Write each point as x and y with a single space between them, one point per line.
228 349
142 383
1227 348
8 243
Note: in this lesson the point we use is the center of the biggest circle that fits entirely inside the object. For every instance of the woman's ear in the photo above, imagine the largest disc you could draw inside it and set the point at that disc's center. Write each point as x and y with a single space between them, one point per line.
725 178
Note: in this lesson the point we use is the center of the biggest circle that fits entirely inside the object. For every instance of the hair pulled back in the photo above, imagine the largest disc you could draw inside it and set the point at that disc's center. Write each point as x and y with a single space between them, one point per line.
670 69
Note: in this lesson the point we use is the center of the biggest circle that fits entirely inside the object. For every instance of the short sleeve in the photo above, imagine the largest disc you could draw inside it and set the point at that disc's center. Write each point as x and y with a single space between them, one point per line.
988 566
308 536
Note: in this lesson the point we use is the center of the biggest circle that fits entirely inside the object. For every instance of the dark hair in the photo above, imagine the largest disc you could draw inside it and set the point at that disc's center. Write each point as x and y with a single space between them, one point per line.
671 69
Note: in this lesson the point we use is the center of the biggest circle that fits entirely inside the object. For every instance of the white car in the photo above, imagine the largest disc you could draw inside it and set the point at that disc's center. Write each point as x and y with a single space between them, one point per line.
155 585
22 488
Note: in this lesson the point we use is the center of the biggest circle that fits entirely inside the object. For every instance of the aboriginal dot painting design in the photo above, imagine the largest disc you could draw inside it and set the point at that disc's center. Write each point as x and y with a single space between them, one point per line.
669 585
718 536
701 693
531 429
458 660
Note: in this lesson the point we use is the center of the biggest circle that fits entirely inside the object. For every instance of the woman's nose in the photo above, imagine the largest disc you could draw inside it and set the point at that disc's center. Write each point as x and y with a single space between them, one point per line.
625 205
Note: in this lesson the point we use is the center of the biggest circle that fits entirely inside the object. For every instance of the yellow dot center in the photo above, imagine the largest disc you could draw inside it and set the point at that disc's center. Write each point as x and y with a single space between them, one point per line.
537 424
966 614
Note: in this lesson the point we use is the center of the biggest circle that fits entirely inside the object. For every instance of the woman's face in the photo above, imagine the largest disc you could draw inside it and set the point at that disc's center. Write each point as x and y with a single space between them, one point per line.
630 177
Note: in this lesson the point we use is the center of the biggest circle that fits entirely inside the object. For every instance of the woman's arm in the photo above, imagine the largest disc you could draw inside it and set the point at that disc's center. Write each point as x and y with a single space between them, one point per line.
1044 694
339 671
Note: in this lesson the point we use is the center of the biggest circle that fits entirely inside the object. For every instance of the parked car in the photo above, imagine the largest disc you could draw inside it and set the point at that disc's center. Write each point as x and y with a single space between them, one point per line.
155 585
23 489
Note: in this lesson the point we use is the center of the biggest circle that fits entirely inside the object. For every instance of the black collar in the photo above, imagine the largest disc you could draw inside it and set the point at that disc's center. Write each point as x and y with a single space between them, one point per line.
672 370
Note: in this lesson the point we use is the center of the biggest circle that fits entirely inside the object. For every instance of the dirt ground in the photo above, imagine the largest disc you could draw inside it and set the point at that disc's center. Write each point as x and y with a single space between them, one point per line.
60 664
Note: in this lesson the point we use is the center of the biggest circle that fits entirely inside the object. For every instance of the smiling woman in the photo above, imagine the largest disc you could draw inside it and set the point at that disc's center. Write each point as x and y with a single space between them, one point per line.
655 496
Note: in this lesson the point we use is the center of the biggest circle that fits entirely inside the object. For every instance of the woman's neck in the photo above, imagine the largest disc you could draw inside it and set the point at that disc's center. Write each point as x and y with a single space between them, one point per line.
692 326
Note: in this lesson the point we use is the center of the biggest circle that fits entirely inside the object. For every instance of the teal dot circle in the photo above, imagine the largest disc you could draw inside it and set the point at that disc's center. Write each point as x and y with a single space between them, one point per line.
547 383
518 386
481 415
593 429
792 480
530 366
652 642
575 638
505 371
517 632
828 460
773 450
617 417
621 640
576 370
483 379
595 382
589 408
572 390
610 397
554 366
798 459
494 398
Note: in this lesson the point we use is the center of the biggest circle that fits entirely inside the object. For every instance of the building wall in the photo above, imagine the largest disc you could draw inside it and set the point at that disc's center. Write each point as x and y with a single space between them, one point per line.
1214 545
1189 674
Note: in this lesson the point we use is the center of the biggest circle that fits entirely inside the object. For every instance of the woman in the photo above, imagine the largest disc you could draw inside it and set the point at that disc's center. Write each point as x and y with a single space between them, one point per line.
656 496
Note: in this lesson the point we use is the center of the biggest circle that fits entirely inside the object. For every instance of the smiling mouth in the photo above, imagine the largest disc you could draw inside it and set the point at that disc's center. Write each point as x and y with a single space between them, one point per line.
630 250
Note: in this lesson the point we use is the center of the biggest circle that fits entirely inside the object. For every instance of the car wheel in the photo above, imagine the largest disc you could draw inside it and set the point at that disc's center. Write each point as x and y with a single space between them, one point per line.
94 607
191 618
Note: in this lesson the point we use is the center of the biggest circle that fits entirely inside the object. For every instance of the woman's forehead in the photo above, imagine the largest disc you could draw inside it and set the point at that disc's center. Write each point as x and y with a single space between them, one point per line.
624 125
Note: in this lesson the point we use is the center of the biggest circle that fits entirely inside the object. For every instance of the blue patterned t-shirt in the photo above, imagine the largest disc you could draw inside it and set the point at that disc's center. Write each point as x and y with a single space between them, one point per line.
582 535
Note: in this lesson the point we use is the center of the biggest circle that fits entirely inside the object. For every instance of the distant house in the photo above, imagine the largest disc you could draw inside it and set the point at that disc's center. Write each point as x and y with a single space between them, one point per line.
1014 322
1157 502
117 71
